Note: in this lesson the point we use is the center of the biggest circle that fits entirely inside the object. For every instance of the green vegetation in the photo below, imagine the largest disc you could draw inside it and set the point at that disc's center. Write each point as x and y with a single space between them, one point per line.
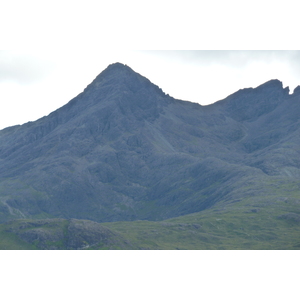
252 228
10 241
250 224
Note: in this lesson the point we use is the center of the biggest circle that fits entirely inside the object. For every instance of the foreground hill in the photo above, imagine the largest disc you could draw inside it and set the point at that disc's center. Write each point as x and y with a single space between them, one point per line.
123 150
246 224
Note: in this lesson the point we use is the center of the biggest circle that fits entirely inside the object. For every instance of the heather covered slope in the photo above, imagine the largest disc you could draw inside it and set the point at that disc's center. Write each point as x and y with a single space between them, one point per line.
123 150
252 223
59 234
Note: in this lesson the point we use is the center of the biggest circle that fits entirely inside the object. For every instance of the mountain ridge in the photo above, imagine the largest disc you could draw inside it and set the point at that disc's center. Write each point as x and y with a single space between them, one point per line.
123 150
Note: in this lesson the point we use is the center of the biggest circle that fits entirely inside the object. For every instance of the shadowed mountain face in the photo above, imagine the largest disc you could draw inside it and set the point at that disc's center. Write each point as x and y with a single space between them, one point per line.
123 150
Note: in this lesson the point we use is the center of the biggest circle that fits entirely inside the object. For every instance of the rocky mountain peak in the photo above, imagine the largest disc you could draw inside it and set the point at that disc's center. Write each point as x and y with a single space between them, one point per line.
273 85
250 103
113 74
116 71
120 77
123 150
297 90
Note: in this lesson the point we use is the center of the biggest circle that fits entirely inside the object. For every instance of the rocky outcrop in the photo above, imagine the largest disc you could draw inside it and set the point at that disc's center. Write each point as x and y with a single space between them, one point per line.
60 234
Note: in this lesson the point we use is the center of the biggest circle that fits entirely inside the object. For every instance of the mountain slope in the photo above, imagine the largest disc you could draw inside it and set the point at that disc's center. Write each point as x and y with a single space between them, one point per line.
59 234
248 224
123 150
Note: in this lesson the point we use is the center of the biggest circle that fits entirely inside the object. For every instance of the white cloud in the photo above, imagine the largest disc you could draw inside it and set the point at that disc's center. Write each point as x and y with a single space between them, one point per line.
208 76
34 83
22 68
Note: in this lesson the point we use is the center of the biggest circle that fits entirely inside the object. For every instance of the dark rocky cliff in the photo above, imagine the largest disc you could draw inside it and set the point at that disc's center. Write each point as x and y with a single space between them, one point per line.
124 150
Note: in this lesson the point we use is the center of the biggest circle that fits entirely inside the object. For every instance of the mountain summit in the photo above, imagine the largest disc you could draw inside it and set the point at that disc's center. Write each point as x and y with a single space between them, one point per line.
123 79
124 150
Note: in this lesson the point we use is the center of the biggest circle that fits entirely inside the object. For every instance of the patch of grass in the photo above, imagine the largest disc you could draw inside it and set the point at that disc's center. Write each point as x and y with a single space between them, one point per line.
10 241
241 227
253 222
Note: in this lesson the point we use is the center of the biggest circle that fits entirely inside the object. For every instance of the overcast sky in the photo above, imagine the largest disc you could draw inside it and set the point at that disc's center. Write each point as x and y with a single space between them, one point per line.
34 83
70 43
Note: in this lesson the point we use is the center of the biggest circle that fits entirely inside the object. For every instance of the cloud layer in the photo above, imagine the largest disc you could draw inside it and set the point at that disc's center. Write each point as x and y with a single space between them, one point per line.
22 68
38 82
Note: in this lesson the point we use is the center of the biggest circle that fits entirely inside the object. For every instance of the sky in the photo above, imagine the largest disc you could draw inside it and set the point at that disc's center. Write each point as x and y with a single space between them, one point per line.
200 51
33 83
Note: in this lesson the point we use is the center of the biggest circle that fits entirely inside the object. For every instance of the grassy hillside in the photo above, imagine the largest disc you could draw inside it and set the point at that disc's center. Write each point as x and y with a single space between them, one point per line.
245 229
250 223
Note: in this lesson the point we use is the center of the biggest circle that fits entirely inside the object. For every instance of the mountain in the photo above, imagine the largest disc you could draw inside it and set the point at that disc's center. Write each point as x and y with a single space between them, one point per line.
123 150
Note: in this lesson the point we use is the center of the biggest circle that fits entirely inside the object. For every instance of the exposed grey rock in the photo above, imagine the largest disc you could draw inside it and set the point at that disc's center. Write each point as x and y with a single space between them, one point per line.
58 234
124 150
296 90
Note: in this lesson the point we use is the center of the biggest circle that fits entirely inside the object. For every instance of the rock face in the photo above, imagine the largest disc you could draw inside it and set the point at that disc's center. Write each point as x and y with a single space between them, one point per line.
124 150
60 234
